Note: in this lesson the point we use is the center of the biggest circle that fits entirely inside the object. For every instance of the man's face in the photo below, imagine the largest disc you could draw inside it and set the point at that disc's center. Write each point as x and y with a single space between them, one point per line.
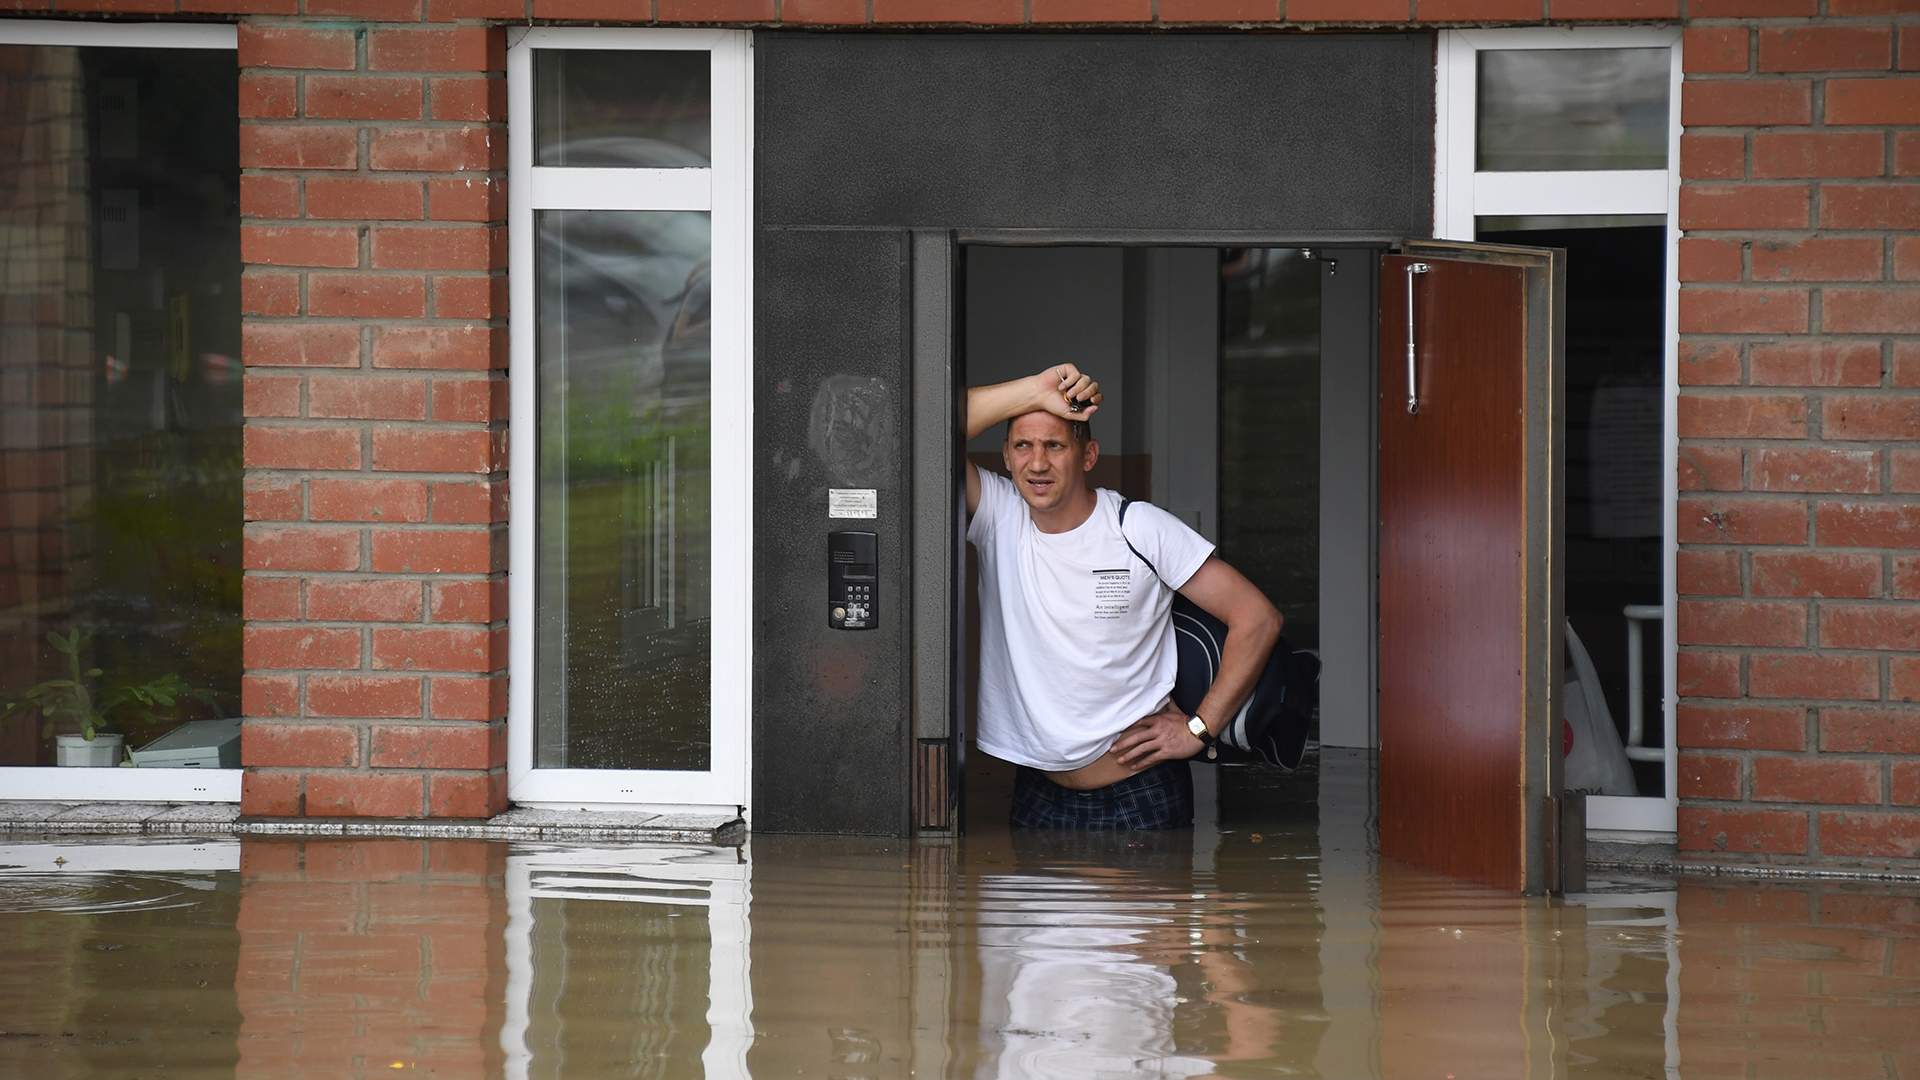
1046 464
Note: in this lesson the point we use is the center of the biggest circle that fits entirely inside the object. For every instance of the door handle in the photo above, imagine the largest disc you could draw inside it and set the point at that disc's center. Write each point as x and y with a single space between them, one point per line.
1413 384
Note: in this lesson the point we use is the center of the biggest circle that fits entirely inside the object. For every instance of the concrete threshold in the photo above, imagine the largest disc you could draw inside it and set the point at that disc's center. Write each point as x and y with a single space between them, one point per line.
223 819
1664 860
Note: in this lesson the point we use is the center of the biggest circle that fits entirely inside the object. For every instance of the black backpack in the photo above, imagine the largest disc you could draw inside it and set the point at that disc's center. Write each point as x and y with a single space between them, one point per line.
1273 725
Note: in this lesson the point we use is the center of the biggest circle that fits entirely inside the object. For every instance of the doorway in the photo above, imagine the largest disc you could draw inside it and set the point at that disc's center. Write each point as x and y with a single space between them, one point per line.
1239 397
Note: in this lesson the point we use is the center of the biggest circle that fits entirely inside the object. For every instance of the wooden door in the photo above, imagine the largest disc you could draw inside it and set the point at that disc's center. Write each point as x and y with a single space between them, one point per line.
1469 528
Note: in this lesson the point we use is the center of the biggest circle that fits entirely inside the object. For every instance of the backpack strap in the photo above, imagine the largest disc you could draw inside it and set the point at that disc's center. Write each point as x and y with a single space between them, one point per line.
1124 503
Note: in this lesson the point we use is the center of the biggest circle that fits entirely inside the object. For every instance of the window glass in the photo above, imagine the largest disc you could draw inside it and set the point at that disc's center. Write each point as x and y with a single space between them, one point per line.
622 108
623 640
1572 109
120 481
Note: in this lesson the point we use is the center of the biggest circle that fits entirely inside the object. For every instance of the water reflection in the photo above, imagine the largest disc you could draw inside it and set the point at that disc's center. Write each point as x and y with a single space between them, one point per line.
1281 951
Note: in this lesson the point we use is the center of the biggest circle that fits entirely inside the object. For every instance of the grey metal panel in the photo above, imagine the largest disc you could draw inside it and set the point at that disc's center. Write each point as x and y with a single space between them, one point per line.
1304 135
1348 511
934 437
830 707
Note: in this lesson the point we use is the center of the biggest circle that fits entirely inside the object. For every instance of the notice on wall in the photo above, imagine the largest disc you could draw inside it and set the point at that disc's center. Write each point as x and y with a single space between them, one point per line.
853 503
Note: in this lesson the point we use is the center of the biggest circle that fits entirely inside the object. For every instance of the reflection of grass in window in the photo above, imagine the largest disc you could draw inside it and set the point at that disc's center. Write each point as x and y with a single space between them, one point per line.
638 565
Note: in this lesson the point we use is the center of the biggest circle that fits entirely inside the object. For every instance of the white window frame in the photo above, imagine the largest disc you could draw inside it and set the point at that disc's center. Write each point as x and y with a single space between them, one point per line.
725 191
1461 195
52 783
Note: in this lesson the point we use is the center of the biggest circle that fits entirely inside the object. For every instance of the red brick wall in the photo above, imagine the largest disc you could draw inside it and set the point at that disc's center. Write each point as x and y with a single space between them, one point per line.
373 146
375 599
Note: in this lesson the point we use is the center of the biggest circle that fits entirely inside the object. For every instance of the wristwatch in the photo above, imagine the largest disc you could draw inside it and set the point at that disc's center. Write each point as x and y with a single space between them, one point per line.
1199 729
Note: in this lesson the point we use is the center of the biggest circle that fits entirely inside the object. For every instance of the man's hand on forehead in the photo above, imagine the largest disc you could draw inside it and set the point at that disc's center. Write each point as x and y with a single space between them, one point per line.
1074 394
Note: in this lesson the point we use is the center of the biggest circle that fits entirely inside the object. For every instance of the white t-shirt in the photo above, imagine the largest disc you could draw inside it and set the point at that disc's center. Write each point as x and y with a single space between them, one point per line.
1076 638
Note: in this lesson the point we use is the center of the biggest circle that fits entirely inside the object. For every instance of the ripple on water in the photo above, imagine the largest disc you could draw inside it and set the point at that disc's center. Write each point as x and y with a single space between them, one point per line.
89 893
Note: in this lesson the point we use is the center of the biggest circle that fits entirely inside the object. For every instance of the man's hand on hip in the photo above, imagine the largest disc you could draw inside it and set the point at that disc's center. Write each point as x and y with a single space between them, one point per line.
1153 739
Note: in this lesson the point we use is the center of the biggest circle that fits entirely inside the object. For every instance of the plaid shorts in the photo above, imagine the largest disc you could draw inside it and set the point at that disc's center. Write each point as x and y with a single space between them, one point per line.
1157 798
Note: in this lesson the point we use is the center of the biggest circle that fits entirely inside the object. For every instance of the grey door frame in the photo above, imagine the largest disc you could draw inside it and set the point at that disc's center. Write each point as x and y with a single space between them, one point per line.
1348 329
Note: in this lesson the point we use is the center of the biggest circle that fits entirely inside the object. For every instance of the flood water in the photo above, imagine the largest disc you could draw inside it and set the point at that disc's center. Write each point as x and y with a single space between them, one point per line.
1251 947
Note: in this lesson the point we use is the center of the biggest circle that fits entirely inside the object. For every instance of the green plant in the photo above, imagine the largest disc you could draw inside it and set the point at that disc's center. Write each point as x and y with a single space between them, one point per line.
81 701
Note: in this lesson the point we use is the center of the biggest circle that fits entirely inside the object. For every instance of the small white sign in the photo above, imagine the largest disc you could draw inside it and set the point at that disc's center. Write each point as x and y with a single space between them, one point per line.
853 503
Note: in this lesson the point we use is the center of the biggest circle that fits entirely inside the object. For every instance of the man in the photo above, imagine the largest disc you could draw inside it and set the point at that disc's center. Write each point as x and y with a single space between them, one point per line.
1076 637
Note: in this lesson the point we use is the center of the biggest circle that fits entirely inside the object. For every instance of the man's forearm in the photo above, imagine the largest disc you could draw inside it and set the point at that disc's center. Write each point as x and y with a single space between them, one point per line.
1249 640
990 405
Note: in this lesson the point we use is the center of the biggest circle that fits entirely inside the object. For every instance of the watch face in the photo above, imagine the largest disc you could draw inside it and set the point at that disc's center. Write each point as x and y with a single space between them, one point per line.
1197 726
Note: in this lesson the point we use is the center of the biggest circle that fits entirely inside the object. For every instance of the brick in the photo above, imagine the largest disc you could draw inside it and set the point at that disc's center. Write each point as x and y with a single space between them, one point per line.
1871 311
268 97
1746 103
1906 153
449 746
440 348
240 7
1872 101
467 99
1715 50
1713 157
457 795
265 647
1813 676
1742 416
1871 626
1768 832
276 245
473 198
266 46
271 500
1734 622
365 794
1818 259
1704 572
1904 784
1704 259
269 196
1475 10
1745 206
1874 416
1367 11
1874 836
367 296
299 345
1709 776
1826 48
592 10
303 147
1743 311
269 599
1906 363
1870 206
377 697
439 649
262 293
1088 11
971 12
369 500
359 397
1903 678
1814 363
1906 258
301 448
516 10
1868 525
465 400
433 248
1707 674
443 150
1615 9
467 601
1709 363
269 695
1793 154
283 548
436 551
358 198
459 698
1791 779
270 395
727 11
1906 471
416 450
467 48
1814 469
1906 577
377 10
299 746
392 600
1870 731
1815 574
469 503
269 794
1709 521
1726 9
